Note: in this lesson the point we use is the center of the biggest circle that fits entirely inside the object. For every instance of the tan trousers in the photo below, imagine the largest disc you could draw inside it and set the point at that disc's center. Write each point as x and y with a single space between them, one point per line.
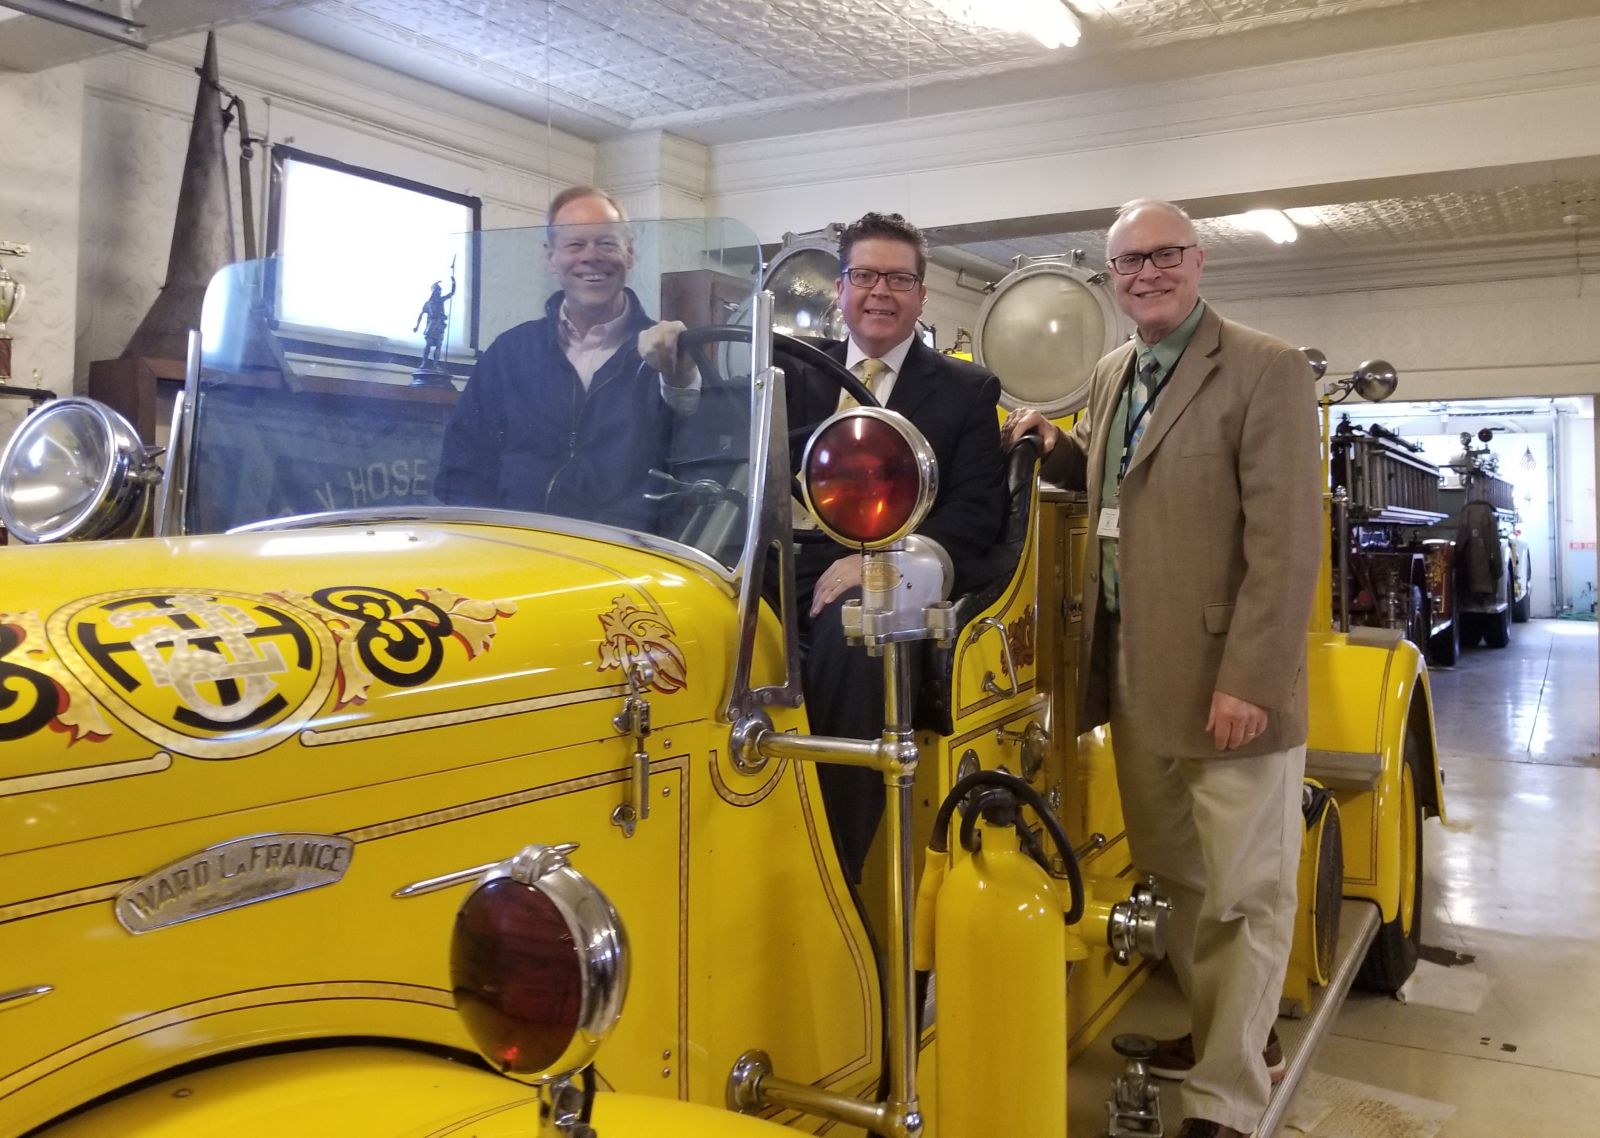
1222 836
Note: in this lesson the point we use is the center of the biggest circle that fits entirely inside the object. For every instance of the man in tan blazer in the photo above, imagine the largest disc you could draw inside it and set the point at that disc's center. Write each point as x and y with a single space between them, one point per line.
1199 451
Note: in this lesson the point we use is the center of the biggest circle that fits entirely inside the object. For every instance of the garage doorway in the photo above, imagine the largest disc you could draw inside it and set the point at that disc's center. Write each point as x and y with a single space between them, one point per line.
1533 701
1545 448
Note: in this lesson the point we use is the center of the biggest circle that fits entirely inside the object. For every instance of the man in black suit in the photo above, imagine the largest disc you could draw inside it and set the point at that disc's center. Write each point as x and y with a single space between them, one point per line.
883 260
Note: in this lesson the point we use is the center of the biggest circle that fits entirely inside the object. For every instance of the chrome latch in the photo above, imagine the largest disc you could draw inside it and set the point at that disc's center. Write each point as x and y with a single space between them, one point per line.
634 720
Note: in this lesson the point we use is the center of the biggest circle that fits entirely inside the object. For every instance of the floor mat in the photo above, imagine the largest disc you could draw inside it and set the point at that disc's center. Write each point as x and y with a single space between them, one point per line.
1330 1107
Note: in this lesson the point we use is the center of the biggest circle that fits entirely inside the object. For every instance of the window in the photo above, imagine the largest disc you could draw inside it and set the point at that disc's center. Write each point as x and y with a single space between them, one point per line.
360 250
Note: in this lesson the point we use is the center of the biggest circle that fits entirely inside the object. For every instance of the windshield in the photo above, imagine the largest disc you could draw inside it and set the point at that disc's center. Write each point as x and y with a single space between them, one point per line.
516 382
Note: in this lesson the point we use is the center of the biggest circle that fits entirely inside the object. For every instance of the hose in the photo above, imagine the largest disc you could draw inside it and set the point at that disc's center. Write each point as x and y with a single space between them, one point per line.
940 841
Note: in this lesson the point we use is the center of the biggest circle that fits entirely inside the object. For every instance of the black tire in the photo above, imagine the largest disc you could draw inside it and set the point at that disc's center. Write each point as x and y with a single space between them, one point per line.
1393 955
1522 608
1497 628
1444 647
1417 624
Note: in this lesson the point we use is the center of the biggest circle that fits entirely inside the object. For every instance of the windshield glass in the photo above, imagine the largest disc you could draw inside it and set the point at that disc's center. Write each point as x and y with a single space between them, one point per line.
518 382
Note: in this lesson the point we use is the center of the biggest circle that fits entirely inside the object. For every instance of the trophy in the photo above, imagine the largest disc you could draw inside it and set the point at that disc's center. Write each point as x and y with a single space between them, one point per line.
10 297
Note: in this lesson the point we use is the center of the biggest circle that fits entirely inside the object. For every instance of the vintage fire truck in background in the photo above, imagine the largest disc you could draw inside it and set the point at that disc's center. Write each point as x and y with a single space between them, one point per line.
1428 550
1491 560
326 789
1388 571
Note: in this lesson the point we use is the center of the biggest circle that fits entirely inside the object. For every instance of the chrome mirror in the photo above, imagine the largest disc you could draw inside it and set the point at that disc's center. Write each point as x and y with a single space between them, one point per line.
1375 380
1317 359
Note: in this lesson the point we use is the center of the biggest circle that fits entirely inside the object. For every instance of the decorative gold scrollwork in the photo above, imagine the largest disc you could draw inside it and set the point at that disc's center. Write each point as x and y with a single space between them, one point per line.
36 691
398 640
630 632
1020 635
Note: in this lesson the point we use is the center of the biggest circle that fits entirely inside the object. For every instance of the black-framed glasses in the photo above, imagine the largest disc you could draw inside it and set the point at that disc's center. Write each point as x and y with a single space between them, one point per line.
866 278
1167 257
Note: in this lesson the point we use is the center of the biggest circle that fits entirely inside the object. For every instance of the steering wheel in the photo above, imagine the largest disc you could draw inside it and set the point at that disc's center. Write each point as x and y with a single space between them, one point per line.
696 340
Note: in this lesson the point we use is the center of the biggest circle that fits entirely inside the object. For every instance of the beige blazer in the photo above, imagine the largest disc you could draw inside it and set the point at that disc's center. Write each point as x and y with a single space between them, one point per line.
1221 538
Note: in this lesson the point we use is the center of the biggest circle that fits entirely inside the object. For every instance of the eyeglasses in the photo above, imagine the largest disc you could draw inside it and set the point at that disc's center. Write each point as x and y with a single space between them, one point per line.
1168 257
866 278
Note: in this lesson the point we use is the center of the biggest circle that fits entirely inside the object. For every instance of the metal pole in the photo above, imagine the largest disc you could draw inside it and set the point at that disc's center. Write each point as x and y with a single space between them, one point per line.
1341 556
898 776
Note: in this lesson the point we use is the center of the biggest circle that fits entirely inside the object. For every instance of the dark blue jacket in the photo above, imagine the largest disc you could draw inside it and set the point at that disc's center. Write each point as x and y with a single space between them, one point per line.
526 436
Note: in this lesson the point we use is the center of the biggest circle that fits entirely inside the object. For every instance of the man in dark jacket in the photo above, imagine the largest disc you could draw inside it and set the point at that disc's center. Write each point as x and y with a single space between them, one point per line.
562 414
883 261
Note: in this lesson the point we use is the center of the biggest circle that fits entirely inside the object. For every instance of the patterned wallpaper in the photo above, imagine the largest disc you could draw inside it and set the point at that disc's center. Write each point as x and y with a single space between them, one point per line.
40 139
133 163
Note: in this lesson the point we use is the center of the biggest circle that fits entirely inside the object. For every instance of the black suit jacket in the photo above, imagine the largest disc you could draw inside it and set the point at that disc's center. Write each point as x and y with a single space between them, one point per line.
953 403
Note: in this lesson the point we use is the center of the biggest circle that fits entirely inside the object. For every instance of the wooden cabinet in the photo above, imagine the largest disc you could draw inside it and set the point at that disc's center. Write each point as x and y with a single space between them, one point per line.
142 389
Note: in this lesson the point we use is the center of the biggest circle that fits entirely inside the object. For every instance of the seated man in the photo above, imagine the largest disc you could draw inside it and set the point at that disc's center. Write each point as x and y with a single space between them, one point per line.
562 414
952 402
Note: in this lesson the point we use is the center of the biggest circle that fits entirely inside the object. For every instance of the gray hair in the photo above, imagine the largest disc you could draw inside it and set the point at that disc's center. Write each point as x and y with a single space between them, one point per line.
1169 208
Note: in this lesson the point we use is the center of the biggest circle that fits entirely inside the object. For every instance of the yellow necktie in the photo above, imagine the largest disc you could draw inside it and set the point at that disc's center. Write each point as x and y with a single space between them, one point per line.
871 371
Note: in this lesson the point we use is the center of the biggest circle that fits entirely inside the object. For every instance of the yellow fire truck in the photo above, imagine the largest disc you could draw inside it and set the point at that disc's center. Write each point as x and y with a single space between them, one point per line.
325 807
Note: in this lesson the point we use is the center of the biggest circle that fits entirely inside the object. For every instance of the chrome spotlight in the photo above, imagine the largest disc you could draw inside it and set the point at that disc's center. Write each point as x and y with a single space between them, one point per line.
75 470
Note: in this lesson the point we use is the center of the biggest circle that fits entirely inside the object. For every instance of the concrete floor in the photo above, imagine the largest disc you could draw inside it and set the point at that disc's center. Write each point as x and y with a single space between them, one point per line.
1512 896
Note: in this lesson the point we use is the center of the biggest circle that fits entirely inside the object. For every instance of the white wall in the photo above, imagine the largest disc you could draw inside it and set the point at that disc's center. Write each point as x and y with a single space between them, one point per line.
1575 510
1534 336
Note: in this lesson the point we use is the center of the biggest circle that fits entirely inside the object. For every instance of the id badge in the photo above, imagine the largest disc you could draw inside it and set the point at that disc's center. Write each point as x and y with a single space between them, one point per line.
1108 526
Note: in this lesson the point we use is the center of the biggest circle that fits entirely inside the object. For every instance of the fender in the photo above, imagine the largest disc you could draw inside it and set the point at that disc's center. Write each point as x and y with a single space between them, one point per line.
376 1092
1375 689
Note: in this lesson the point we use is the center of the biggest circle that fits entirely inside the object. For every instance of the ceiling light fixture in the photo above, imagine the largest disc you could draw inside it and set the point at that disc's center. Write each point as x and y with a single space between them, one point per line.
116 25
1273 223
1050 22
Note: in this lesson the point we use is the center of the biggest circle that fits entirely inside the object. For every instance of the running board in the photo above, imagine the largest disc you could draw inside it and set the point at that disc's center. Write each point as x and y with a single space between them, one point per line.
1157 1009
1358 925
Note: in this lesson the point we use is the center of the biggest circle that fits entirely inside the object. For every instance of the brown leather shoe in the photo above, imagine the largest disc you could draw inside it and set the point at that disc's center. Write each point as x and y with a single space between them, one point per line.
1174 1058
1205 1128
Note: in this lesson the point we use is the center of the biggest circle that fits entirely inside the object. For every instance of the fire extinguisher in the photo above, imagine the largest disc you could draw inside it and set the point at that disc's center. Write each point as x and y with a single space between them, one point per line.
991 924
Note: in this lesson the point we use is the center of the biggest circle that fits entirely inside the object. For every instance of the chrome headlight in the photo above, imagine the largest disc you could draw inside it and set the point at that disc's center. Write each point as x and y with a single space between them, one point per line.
74 469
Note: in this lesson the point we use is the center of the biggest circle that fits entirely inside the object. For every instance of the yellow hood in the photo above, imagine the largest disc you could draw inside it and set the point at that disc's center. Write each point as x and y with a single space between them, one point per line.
306 662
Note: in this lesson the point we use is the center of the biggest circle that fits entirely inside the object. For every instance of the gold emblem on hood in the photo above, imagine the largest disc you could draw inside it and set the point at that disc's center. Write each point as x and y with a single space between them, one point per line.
631 632
212 674
221 675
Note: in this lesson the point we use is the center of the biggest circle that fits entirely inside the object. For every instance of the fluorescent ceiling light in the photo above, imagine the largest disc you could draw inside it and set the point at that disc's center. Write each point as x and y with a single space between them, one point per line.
1273 223
1050 22
116 25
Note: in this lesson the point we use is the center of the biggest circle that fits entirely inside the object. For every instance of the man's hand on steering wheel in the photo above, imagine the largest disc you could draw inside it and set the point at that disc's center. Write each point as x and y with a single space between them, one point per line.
658 345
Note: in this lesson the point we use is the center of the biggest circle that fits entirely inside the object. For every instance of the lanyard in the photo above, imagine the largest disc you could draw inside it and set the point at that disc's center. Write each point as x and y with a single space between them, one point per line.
1131 427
